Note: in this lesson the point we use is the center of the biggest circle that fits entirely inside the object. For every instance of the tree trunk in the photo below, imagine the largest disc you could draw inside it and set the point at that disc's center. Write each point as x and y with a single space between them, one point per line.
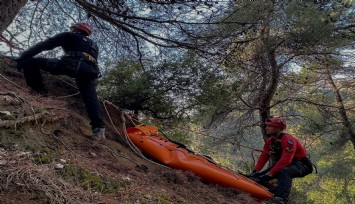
264 110
341 109
264 113
8 11
272 82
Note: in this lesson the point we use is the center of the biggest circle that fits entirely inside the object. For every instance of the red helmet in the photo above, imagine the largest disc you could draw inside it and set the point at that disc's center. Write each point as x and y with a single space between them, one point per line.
276 122
85 27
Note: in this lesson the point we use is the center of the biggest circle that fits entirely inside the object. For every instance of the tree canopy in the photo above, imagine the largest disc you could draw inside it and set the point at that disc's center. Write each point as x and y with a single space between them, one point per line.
223 68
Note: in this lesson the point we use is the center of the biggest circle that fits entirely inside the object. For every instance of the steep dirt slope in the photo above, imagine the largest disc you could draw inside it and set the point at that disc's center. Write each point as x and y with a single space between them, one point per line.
46 156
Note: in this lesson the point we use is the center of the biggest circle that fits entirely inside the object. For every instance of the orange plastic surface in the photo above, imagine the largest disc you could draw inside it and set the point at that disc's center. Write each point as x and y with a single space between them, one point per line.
149 141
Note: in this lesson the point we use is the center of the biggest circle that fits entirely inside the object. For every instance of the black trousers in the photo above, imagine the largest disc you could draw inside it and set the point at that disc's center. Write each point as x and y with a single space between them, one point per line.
297 169
69 67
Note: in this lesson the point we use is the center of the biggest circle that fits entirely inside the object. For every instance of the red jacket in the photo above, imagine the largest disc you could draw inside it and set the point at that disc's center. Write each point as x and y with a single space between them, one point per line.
291 148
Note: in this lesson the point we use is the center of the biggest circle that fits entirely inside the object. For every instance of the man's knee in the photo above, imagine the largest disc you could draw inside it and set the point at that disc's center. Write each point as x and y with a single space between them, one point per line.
34 61
294 171
284 172
27 63
37 63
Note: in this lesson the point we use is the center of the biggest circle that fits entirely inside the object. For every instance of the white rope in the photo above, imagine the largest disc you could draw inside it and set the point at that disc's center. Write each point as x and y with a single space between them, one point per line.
13 83
134 148
67 96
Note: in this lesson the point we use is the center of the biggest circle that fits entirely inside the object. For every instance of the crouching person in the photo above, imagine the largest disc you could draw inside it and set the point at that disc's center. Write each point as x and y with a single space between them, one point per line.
289 158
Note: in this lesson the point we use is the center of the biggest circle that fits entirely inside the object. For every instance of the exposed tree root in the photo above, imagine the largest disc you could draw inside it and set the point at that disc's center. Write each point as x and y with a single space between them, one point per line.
9 98
44 116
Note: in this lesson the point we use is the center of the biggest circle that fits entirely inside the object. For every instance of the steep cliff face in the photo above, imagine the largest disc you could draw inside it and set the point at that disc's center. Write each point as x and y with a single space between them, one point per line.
46 155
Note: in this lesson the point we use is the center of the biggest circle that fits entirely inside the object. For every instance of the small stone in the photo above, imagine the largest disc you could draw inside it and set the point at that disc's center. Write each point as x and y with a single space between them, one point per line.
5 113
3 162
93 154
149 197
59 166
24 154
126 178
63 161
2 151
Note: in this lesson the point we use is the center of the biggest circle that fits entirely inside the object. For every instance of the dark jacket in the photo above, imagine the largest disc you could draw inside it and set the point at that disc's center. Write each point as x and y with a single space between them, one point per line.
69 41
80 52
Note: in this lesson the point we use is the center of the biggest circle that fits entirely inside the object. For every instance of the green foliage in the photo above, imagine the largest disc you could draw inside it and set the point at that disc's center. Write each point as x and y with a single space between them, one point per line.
8 117
41 110
307 24
83 178
131 88
296 35
335 181
90 181
180 136
166 90
162 198
44 155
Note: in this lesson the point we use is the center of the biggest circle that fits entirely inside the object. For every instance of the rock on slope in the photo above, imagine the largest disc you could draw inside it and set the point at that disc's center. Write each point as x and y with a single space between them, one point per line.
46 156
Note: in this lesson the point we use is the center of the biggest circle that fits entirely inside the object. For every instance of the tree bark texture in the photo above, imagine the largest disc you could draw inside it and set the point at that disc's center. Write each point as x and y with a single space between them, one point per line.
270 80
8 11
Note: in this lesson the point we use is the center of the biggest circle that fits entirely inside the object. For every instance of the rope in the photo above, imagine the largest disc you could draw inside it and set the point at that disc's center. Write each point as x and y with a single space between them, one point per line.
236 174
128 140
13 83
238 144
211 136
252 155
67 96
117 108
20 87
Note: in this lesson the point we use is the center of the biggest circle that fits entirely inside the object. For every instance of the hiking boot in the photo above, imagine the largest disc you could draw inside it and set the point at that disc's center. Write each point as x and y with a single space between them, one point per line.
98 134
278 200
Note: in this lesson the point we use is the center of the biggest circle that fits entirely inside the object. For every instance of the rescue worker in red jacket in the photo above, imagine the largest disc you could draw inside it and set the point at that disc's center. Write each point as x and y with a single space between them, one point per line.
289 160
79 61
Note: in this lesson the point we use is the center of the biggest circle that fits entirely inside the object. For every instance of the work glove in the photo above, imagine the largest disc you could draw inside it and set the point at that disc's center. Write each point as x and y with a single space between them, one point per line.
265 178
254 176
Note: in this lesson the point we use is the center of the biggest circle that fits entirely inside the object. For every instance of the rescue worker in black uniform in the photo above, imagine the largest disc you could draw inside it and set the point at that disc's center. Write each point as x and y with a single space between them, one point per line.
79 61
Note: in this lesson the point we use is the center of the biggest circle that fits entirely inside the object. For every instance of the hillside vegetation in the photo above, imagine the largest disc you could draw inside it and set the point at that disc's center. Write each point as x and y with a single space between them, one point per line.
46 155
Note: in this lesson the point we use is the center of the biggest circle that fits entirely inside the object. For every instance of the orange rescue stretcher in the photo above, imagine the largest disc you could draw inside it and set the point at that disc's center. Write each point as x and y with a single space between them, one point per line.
155 145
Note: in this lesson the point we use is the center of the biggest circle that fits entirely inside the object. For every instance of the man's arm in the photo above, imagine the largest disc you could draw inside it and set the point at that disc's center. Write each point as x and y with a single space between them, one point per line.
288 146
264 157
47 44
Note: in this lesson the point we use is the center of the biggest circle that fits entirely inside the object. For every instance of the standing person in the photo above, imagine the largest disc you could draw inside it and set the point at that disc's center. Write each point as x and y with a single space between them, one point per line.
79 61
289 160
